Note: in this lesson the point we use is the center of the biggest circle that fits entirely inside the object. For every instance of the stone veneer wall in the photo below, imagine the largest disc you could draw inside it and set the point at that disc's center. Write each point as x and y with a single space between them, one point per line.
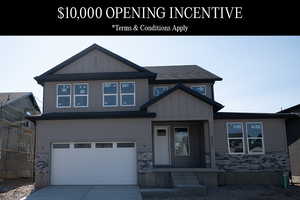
271 161
42 170
207 160
144 160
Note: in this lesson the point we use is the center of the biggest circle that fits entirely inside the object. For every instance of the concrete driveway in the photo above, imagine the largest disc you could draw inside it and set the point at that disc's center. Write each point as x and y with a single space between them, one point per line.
87 193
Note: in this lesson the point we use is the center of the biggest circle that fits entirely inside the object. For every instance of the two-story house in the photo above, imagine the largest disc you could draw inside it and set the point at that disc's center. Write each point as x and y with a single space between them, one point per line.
109 121
17 134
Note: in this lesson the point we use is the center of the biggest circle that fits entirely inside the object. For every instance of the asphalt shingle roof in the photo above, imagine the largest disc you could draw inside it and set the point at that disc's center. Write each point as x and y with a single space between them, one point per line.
7 97
182 72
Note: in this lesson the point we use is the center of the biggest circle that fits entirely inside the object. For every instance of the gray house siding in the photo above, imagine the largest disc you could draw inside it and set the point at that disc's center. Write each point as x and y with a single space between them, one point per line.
95 96
94 62
275 157
116 130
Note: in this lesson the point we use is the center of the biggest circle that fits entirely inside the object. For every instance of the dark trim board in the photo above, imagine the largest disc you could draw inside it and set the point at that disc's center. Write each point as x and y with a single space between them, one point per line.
91 115
217 106
95 76
172 81
236 115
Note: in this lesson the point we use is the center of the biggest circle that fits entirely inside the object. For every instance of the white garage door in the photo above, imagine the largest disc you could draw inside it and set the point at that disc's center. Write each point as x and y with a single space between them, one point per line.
94 163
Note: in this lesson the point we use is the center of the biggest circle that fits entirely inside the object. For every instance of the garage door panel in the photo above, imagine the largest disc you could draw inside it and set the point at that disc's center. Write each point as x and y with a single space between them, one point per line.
94 166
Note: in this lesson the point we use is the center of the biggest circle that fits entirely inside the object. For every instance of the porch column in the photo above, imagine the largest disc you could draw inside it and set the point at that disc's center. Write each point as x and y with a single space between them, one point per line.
209 143
212 144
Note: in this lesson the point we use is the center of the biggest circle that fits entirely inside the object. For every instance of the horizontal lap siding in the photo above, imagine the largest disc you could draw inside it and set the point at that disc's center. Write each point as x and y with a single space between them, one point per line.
48 131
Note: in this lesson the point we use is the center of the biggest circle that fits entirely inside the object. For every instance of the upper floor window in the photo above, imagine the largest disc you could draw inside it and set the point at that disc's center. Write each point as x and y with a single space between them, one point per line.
255 141
63 95
127 93
235 138
110 94
81 95
159 90
201 89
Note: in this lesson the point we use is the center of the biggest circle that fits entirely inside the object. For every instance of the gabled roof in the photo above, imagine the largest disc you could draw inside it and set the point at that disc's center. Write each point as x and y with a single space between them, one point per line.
240 115
7 98
84 52
291 109
217 106
182 73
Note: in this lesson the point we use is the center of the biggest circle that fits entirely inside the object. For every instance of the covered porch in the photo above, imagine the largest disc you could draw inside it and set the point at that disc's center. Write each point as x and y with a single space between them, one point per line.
182 156
181 144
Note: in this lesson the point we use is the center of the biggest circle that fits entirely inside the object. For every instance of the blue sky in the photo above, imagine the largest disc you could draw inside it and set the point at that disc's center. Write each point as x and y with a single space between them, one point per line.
260 74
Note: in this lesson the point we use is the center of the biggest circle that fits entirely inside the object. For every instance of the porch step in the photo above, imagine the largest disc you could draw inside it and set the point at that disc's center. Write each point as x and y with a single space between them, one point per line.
185 180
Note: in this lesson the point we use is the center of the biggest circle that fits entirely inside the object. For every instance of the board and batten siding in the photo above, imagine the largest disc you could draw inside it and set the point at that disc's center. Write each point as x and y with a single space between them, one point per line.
273 130
95 96
96 61
181 106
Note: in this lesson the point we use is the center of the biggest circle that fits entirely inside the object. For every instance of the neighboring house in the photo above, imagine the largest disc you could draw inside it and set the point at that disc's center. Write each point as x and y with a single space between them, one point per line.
293 139
17 134
109 121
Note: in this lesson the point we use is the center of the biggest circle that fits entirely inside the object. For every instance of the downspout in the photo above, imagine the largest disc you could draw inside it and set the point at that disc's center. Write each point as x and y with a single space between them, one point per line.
34 153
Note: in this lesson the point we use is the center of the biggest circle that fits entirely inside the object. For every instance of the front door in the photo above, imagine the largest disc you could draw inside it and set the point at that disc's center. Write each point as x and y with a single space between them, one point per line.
161 145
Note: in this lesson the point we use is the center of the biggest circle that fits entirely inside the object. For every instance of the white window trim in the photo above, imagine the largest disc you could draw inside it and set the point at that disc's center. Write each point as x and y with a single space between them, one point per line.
78 95
228 138
262 138
205 88
188 131
158 87
103 95
64 96
121 94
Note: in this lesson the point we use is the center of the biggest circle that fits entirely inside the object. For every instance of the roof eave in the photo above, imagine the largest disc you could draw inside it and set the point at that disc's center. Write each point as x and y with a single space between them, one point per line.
238 115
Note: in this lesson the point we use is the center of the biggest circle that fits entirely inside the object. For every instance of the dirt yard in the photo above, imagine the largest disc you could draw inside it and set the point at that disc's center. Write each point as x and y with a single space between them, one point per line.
15 189
249 192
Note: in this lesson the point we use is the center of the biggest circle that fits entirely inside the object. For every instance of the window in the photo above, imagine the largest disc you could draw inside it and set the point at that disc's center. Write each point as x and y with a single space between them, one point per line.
61 146
201 89
104 145
125 145
81 95
110 94
159 90
161 132
63 96
235 138
255 137
127 94
82 145
181 137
